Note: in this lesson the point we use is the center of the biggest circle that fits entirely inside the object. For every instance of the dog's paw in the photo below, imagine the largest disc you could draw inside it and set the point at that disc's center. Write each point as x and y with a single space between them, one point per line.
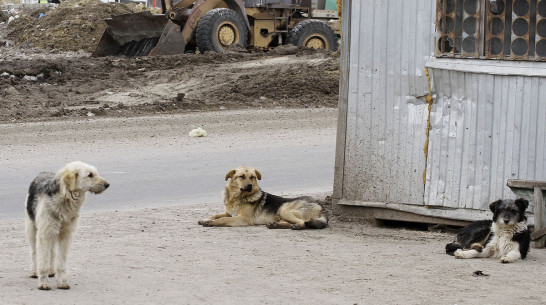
271 225
52 274
63 285
477 247
205 222
506 260
458 253
33 274
44 286
296 227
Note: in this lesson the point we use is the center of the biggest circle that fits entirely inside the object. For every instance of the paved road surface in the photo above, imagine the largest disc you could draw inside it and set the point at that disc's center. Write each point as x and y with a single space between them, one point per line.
151 161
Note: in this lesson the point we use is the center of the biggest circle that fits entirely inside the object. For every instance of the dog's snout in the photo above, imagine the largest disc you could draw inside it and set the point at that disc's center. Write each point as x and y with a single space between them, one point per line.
106 185
247 188
506 220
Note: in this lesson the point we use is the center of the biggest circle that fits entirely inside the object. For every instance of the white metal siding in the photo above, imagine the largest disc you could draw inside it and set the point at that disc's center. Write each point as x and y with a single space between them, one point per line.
488 119
390 42
485 129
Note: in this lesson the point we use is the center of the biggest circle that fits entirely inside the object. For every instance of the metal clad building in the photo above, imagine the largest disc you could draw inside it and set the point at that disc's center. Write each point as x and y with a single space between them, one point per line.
487 118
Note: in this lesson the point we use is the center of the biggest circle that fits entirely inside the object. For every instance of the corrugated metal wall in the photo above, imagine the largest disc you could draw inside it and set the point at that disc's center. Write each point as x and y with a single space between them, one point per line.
488 118
485 129
390 41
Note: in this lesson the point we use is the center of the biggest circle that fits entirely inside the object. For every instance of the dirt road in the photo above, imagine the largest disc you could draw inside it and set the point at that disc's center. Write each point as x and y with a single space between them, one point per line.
151 161
161 256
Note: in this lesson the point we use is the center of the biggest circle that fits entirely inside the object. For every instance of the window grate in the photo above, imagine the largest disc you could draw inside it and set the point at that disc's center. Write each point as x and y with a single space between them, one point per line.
491 29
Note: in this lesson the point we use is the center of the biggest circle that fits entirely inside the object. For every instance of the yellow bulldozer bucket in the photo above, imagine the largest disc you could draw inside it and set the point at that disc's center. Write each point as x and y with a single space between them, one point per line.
131 34
141 34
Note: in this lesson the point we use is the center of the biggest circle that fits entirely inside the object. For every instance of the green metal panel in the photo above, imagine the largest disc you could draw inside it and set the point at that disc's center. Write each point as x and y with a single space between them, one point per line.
330 5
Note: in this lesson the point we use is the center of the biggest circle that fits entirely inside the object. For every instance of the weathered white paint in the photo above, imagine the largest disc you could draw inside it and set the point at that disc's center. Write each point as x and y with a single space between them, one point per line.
486 129
387 110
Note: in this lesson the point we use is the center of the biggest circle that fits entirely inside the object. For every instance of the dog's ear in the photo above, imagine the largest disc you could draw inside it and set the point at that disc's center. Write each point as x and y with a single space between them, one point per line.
230 174
493 206
69 180
522 204
258 175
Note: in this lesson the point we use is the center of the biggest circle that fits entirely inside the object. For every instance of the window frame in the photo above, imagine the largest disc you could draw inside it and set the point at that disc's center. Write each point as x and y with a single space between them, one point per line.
453 32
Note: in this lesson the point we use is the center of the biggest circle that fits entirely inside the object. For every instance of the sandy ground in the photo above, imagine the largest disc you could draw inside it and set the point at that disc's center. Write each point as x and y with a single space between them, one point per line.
161 256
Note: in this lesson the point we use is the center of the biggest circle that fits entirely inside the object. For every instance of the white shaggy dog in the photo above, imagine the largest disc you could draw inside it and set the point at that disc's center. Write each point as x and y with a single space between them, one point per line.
52 210
506 237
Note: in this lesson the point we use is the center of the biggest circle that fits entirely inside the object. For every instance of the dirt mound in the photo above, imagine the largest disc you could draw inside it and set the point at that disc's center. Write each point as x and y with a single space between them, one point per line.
39 86
303 83
73 25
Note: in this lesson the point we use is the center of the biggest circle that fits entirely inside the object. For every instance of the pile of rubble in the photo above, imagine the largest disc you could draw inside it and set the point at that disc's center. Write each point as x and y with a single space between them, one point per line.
73 25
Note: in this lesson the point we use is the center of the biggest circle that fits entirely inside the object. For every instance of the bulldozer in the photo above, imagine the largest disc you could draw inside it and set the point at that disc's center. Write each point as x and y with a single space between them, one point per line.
215 25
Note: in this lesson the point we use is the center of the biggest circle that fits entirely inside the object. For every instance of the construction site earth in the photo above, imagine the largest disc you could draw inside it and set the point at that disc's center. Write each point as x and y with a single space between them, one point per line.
47 72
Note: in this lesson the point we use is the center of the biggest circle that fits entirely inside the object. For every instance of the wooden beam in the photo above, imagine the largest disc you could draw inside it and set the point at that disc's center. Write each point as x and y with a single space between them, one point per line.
540 216
526 184
539 233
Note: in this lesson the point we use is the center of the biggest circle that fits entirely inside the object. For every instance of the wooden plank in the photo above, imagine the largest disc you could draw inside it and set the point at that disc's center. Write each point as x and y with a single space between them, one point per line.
537 234
375 214
526 184
540 216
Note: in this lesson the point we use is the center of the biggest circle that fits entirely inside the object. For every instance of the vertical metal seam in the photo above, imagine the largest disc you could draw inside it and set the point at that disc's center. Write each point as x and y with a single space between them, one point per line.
343 101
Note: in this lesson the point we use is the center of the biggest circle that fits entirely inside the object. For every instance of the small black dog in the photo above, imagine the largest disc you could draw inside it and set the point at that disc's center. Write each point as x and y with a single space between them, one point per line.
506 236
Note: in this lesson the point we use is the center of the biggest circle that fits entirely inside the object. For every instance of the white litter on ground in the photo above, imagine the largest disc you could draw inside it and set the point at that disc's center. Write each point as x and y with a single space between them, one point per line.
198 132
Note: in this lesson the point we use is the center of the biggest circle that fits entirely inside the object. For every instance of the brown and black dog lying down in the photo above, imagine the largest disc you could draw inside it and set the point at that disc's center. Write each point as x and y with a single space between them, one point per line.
246 205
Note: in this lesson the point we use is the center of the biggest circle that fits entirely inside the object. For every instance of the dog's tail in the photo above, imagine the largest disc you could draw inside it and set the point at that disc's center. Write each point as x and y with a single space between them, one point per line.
452 247
318 223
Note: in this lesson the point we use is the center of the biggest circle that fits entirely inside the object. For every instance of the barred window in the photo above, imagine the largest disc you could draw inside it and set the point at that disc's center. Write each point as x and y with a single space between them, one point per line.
491 29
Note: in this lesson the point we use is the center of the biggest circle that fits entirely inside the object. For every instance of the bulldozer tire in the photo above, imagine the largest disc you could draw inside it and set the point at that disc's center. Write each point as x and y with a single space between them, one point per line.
219 29
313 34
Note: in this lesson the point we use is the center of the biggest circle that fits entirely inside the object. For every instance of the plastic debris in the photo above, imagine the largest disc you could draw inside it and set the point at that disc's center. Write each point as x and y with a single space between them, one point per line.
198 132
11 18
30 78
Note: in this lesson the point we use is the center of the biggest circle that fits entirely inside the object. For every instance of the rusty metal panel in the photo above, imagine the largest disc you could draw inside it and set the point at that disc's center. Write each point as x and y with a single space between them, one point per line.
488 29
387 109
486 129
511 30
458 28
496 21
540 35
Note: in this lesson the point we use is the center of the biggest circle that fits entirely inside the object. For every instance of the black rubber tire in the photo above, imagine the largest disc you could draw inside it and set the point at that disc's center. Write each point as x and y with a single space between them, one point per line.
313 29
208 26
